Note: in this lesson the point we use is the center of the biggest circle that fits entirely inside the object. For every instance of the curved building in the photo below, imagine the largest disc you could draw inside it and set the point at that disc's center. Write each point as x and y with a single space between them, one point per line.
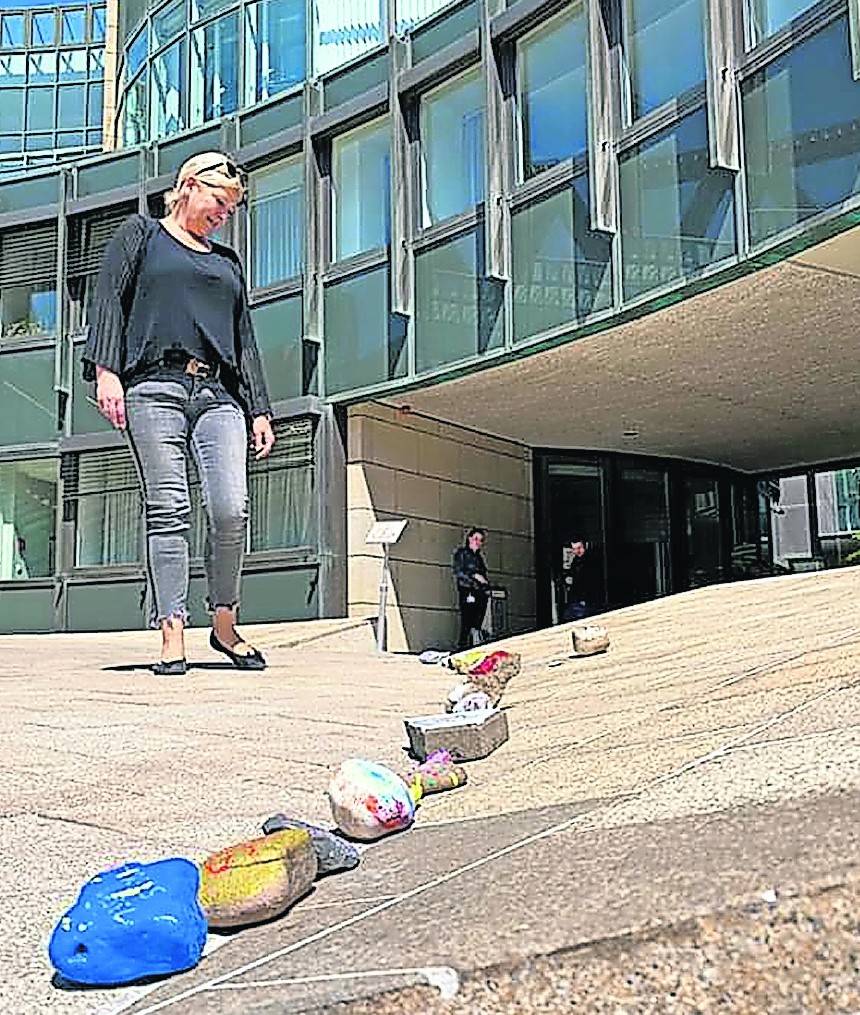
52 72
563 269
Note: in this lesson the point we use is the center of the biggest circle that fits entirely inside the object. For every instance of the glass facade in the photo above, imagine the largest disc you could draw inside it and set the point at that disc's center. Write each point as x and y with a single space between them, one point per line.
169 97
677 214
552 83
452 148
215 69
801 120
361 190
654 30
51 72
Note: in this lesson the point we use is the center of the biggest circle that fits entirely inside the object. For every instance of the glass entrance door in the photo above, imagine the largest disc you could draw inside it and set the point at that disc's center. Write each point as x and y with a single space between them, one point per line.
642 568
575 494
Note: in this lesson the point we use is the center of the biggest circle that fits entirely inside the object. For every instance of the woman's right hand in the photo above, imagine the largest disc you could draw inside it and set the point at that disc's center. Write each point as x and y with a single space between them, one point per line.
110 397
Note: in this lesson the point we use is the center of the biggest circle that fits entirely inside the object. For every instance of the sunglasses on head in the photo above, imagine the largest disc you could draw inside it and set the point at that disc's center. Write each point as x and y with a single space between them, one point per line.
229 169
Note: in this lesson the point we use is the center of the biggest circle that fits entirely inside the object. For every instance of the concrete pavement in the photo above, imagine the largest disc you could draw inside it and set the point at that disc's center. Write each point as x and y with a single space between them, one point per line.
712 754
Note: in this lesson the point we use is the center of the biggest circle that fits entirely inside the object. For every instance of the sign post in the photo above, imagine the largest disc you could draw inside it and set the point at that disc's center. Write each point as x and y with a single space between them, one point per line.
384 534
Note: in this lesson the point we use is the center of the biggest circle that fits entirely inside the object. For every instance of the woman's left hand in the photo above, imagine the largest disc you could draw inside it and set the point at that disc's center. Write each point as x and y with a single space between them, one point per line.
264 437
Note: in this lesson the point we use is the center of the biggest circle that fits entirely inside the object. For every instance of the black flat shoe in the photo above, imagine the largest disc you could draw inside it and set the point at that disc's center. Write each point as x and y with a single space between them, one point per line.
175 668
253 661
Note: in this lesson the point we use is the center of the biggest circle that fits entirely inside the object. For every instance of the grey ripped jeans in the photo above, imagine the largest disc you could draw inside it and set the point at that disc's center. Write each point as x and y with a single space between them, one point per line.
169 415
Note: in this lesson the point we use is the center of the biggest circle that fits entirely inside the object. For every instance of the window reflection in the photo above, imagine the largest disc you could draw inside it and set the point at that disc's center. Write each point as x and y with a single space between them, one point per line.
276 208
134 112
452 147
28 310
552 85
168 77
562 270
11 30
28 500
665 50
361 177
275 47
677 214
801 122
215 69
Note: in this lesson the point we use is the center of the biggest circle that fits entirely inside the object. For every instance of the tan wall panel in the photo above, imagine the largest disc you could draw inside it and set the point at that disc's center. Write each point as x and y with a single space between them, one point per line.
442 478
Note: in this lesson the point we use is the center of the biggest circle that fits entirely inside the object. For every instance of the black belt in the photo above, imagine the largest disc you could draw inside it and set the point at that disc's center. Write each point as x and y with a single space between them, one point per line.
191 365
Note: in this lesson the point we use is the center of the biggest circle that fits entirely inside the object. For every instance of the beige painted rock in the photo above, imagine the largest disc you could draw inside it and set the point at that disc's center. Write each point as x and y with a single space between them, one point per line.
590 639
257 880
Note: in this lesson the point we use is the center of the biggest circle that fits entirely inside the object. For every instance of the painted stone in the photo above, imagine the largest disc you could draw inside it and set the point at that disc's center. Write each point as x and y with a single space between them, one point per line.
474 701
369 800
333 852
589 639
136 921
436 774
258 879
485 671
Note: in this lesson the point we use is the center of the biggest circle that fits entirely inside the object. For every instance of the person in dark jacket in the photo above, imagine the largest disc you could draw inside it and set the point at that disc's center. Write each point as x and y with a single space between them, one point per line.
581 582
473 587
177 369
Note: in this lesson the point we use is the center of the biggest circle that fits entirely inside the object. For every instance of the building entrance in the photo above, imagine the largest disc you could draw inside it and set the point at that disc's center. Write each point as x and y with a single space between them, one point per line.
650 527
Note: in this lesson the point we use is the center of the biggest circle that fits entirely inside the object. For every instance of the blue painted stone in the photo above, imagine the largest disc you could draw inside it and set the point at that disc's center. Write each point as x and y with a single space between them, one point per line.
137 921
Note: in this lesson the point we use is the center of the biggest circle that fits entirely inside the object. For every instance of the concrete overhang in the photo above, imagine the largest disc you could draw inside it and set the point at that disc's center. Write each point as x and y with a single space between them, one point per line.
760 373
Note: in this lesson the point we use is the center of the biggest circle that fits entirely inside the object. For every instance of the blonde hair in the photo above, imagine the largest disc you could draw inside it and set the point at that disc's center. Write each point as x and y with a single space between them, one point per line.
210 168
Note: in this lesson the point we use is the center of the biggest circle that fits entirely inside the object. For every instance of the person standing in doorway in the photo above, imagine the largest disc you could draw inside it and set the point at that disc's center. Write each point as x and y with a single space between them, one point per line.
172 350
581 581
473 587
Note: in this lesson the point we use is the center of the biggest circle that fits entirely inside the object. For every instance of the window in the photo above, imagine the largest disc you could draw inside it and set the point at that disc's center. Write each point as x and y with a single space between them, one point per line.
665 51
28 500
801 119
459 313
28 310
97 63
452 147
95 104
13 69
361 181
168 77
137 51
74 27
40 109
206 8
103 492
275 35
73 65
677 214
167 24
281 491
134 112
97 28
11 110
552 89
42 68
72 106
11 31
215 69
27 396
361 348
561 269
768 16
276 207
43 29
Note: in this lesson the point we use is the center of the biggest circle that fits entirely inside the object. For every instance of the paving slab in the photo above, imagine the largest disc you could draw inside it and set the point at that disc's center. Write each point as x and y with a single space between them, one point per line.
712 750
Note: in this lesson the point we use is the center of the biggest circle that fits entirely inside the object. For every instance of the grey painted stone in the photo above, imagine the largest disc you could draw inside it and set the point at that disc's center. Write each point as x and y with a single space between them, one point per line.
466 735
333 852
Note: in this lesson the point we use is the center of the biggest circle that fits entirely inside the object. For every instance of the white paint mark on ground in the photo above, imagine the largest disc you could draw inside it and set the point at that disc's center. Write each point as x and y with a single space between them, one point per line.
445 979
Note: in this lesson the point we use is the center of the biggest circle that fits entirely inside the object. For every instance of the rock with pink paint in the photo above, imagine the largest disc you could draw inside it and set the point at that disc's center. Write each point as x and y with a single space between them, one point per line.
369 801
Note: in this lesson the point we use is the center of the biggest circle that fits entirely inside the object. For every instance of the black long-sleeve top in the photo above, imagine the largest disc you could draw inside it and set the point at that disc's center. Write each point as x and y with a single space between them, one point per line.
468 563
155 294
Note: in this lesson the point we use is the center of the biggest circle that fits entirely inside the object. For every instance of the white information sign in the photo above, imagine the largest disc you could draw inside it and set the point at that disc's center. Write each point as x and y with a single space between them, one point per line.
386 532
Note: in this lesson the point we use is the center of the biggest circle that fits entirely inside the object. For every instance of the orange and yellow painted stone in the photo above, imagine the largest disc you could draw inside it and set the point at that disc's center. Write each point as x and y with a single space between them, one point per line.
258 879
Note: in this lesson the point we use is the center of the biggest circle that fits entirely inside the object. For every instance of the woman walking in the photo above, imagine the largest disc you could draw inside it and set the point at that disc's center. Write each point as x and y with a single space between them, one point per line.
172 350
